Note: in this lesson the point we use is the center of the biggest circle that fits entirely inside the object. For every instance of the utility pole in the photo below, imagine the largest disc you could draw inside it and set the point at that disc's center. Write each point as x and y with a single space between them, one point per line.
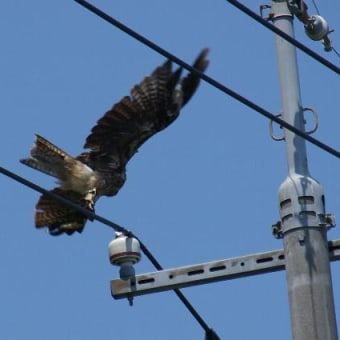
303 221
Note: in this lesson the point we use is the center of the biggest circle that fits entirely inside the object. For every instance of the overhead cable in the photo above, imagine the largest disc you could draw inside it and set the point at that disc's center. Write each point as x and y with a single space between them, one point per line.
336 51
113 225
206 78
316 7
284 35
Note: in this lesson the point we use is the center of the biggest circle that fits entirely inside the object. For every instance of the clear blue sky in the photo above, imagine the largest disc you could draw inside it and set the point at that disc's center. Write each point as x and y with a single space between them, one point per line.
204 189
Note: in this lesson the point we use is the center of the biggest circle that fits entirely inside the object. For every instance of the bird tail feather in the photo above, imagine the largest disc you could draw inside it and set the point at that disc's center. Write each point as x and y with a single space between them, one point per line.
47 157
57 217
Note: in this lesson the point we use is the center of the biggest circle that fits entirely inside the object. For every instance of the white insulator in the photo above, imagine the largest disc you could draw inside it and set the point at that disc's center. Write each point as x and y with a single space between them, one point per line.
124 251
318 29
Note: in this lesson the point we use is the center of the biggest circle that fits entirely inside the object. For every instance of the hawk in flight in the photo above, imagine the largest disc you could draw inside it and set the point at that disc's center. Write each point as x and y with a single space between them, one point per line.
101 171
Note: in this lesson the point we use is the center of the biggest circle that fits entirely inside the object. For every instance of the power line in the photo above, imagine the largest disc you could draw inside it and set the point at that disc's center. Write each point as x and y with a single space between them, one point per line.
316 7
206 78
284 35
209 332
336 52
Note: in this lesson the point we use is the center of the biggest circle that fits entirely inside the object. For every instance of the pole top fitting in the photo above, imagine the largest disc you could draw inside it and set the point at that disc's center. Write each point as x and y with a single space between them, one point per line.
279 8
317 28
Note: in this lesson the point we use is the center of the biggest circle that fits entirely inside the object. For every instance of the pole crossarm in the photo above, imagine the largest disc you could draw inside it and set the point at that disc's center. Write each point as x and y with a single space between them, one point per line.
221 270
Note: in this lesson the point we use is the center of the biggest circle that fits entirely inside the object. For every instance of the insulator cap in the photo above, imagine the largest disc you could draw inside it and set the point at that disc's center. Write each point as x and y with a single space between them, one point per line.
318 29
124 250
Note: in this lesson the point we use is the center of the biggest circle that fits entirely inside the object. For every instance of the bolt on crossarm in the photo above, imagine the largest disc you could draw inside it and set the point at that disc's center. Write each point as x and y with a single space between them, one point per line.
303 222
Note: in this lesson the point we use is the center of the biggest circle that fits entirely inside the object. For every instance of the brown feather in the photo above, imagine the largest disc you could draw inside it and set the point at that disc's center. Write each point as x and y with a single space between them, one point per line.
191 81
46 157
133 120
56 216
153 105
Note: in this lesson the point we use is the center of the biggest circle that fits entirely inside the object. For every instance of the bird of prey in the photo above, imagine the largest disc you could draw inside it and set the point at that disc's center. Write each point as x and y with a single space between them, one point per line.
101 170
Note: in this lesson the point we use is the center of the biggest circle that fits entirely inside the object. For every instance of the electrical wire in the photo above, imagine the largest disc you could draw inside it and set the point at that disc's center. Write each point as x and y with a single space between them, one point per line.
284 35
206 78
336 52
116 227
316 7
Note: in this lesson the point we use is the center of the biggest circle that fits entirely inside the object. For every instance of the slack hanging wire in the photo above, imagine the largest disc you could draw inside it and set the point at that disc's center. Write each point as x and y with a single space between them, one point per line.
113 225
285 36
206 78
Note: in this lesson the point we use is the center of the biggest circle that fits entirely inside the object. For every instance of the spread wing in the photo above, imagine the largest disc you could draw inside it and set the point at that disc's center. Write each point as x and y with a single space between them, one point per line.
152 106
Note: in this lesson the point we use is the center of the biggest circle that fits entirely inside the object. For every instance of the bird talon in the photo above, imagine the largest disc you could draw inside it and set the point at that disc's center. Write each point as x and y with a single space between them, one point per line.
89 199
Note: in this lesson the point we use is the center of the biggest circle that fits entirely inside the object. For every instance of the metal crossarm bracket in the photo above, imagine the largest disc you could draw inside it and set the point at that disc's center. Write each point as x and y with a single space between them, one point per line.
221 270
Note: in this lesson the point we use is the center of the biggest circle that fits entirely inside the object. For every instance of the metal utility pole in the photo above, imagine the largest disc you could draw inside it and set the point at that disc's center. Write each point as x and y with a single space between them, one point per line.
302 208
